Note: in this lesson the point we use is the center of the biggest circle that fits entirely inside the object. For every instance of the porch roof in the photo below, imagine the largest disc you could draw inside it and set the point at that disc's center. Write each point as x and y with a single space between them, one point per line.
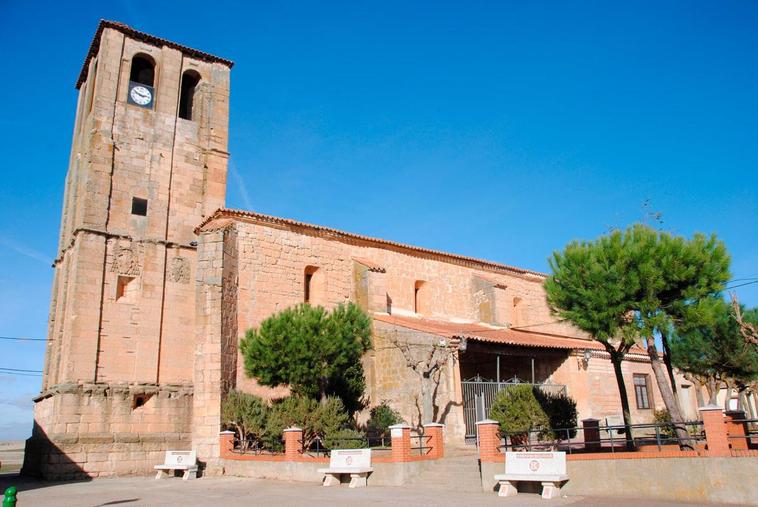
489 334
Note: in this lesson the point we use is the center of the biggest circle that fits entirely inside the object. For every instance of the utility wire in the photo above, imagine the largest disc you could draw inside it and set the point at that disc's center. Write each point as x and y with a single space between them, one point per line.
23 339
742 284
19 370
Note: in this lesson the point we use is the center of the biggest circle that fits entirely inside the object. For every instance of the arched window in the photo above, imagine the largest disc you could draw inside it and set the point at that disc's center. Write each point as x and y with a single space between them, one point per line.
190 79
309 285
143 70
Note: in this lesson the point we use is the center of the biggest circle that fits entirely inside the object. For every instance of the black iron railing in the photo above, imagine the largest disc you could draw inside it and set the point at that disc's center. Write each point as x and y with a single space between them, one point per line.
420 444
610 438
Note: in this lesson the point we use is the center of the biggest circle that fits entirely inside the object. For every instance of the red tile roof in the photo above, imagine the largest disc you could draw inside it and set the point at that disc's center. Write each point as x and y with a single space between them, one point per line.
145 37
479 332
269 220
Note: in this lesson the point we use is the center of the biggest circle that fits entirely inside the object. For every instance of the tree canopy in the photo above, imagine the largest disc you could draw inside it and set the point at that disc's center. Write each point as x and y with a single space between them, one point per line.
633 285
711 348
315 352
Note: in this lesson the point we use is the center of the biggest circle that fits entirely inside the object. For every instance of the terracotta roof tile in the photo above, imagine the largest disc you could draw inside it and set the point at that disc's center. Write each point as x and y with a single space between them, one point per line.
499 335
260 218
145 37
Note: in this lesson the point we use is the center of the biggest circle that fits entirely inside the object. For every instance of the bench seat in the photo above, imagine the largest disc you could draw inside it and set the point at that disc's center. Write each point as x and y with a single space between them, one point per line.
525 477
551 486
353 462
345 470
178 460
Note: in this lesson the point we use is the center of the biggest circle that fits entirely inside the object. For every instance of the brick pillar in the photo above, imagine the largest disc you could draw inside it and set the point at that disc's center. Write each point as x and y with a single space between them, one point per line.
226 443
591 433
736 429
716 435
488 439
293 443
436 440
401 442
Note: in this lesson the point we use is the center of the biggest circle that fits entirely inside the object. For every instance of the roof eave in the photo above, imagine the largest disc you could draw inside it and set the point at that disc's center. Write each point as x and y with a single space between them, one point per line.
145 37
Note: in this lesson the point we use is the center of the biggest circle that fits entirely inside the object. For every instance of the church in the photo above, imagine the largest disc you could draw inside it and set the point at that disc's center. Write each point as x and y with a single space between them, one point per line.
156 281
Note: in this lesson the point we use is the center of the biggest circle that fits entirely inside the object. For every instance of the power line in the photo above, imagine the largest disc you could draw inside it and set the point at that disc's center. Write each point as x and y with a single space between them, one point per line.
19 339
2 372
742 284
19 370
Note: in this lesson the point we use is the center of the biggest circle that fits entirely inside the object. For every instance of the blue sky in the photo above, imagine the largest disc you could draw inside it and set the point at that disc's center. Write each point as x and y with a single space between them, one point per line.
500 130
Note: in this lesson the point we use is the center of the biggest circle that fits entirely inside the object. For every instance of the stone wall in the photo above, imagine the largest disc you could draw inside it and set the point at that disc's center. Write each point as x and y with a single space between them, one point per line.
701 480
99 430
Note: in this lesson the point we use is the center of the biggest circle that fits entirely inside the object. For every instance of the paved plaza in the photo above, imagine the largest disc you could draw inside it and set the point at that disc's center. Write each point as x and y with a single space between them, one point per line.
231 491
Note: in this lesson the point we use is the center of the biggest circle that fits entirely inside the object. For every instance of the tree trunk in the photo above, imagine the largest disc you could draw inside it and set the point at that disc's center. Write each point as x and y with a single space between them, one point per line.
616 359
426 400
699 395
712 386
670 368
668 396
322 382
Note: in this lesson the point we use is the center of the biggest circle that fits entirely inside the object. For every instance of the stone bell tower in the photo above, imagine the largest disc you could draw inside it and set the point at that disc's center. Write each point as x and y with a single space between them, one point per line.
148 163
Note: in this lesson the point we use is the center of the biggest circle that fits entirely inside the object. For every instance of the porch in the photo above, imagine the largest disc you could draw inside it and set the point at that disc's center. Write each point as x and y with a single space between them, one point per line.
487 368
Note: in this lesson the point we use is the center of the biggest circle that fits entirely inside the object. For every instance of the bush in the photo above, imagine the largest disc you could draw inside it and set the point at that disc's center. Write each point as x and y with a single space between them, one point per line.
247 415
560 410
316 419
345 439
382 417
518 412
663 417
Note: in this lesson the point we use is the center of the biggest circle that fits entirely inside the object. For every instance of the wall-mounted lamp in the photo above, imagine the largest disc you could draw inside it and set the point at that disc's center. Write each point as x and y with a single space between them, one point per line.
584 360
463 344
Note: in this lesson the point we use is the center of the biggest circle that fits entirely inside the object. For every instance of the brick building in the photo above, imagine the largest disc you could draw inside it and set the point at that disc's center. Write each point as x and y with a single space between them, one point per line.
155 282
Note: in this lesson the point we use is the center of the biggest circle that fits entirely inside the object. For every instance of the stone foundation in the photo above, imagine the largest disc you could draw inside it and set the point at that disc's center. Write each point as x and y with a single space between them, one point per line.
100 430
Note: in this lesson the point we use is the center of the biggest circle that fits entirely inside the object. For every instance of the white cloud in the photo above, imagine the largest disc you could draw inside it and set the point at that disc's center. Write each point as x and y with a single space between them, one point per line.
240 183
25 251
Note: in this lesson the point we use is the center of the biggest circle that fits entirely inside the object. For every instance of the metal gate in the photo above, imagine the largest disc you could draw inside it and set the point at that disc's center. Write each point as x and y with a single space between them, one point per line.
478 395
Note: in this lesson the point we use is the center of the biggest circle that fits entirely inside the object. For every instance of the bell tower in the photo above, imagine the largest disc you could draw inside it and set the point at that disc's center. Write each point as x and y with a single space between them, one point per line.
148 163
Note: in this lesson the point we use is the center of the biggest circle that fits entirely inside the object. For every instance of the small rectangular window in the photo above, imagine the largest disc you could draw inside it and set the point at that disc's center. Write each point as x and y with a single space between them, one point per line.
139 206
642 391
125 288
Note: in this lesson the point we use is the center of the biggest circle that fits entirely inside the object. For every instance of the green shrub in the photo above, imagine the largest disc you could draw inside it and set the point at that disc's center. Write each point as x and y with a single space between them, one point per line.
316 419
382 417
345 439
560 410
518 412
663 417
247 415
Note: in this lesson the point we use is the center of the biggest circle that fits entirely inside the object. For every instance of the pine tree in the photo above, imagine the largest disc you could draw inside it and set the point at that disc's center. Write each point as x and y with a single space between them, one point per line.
315 352
712 349
593 285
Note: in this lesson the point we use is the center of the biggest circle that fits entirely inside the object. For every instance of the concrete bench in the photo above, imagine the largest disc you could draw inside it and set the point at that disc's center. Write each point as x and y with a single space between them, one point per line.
178 460
549 468
353 462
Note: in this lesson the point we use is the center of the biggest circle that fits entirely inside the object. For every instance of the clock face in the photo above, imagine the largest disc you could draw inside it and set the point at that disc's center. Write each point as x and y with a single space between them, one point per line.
141 95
